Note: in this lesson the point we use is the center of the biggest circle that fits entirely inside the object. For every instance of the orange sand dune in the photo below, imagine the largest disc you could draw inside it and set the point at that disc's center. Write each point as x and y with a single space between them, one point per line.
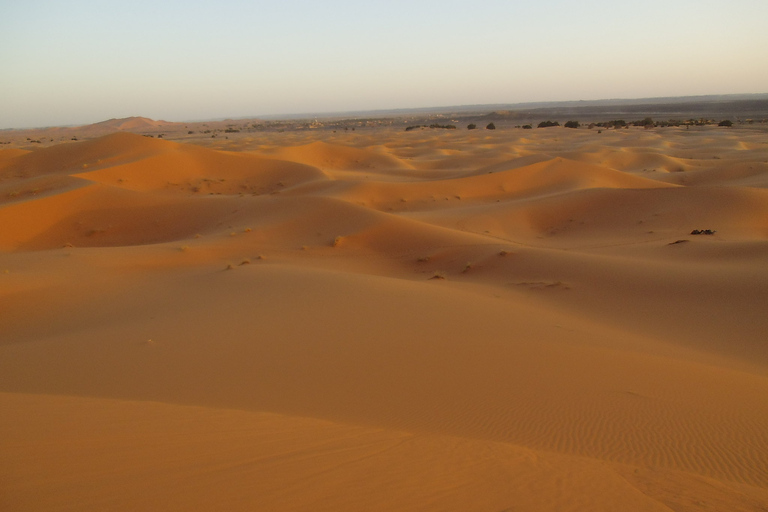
386 320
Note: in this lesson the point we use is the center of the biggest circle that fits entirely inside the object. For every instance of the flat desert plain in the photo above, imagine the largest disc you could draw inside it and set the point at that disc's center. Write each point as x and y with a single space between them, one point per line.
381 320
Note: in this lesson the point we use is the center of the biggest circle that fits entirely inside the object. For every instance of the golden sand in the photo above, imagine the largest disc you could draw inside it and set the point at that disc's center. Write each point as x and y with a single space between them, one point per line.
386 320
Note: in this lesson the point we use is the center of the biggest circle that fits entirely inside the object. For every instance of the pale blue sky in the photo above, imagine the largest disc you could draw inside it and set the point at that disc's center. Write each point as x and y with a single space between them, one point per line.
79 61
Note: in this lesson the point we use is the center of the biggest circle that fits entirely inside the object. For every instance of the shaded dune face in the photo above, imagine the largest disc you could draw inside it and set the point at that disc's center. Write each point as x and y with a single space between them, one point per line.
474 321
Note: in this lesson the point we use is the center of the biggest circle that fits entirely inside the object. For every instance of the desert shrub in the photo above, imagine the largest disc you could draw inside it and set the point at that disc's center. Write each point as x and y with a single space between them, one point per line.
647 122
527 127
418 126
572 124
231 130
490 126
547 124
471 126
725 122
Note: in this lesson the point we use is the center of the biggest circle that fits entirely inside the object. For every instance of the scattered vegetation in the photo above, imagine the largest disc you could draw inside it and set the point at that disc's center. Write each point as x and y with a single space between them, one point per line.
616 123
547 124
703 232
646 123
421 126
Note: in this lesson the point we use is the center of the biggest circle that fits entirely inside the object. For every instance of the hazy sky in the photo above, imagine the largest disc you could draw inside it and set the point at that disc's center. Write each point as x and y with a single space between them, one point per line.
77 62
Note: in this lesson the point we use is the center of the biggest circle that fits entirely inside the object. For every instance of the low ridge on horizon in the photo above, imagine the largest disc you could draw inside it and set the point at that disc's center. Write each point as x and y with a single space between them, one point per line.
136 122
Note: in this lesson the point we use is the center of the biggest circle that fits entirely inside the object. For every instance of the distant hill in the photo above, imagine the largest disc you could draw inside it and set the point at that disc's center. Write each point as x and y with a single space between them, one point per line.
127 124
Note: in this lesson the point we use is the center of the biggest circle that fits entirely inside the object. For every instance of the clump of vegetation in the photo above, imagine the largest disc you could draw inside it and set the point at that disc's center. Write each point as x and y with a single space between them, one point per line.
471 126
616 123
490 126
527 127
419 126
572 124
547 124
725 122
646 123
231 130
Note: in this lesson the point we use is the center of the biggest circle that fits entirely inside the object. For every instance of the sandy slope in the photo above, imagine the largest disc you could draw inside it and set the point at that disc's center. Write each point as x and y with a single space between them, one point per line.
517 320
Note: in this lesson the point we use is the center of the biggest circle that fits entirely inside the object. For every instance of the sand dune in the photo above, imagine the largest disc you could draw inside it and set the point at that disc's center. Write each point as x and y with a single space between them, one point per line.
386 320
128 124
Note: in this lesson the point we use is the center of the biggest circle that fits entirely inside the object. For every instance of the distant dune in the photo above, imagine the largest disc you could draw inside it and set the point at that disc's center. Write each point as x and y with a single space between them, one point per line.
127 124
385 320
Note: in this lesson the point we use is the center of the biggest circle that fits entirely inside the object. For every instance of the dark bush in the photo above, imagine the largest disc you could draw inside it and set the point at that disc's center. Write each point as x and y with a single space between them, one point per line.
547 124
647 122
572 124
527 127
471 126
725 122
490 126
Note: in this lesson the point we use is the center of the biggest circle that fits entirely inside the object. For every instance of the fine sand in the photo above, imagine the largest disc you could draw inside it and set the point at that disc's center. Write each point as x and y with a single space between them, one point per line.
508 320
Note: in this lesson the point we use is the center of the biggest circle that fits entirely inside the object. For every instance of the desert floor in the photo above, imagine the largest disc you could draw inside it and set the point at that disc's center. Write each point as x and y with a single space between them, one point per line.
376 319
